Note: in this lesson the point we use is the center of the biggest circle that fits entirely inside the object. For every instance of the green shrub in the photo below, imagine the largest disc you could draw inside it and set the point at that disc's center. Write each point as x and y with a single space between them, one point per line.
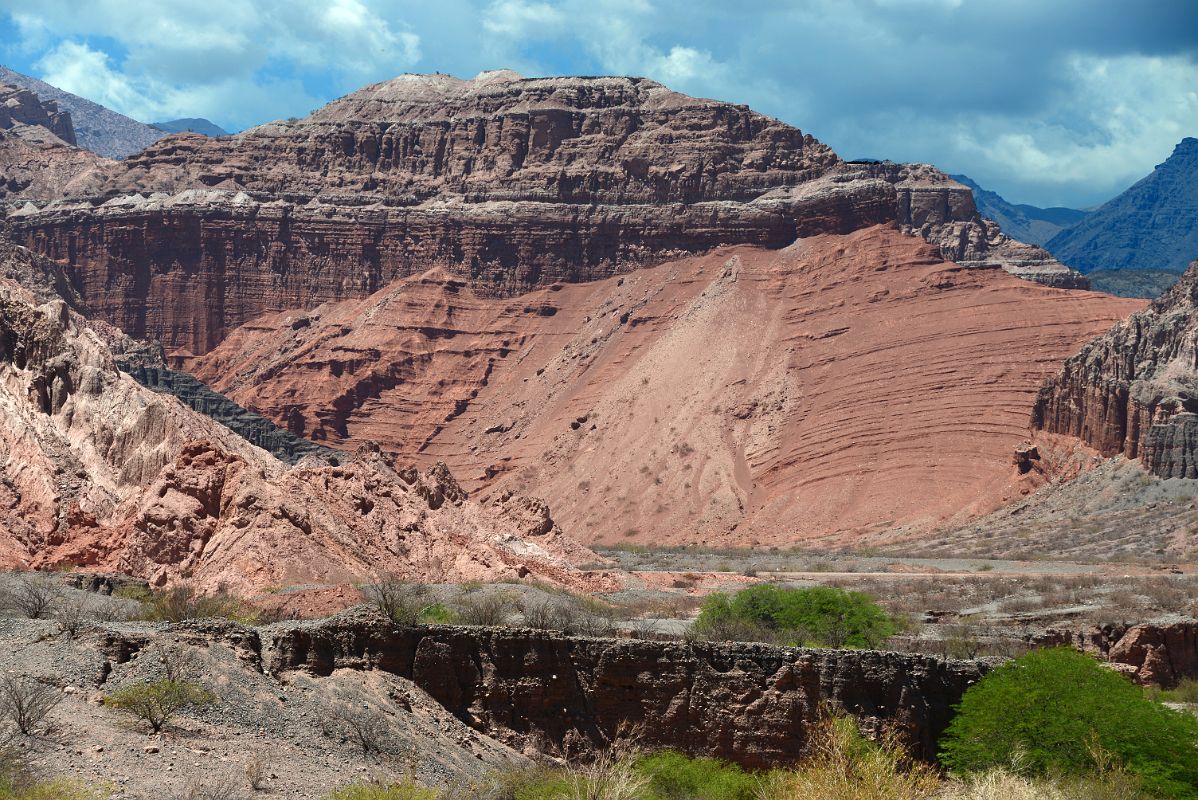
1058 711
820 615
380 790
157 703
674 776
438 614
19 782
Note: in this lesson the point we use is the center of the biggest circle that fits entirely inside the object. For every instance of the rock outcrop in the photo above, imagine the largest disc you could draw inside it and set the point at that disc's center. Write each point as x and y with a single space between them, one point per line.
1152 653
752 704
99 471
97 129
744 396
1153 225
1134 390
511 184
22 107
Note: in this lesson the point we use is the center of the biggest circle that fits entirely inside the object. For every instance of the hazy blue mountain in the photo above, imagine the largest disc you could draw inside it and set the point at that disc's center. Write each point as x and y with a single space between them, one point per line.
1018 220
1153 225
192 124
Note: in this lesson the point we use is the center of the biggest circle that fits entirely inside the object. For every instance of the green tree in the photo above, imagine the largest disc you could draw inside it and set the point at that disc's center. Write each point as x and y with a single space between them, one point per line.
1058 711
160 701
817 615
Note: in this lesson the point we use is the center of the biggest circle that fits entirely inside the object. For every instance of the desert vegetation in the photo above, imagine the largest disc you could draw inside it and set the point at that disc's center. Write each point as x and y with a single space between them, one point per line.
822 616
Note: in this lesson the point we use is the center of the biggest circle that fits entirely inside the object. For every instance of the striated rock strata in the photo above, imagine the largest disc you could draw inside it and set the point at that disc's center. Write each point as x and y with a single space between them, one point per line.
1134 390
752 704
22 107
509 183
744 396
96 470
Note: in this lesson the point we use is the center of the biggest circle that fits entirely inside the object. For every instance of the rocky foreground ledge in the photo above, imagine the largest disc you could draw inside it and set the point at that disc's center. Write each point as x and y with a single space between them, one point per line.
748 703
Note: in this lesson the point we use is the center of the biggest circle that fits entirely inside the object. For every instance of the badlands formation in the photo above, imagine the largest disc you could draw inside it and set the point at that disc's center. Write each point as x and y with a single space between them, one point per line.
671 318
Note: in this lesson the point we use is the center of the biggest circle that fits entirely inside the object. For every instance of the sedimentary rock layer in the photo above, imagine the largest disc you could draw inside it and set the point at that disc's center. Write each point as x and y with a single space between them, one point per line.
22 107
1134 390
744 396
512 184
97 470
749 703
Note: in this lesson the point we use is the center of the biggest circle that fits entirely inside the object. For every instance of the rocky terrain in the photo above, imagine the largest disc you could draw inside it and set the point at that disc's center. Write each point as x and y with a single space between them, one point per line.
1134 390
37 153
1153 225
511 184
1021 221
98 129
97 470
766 396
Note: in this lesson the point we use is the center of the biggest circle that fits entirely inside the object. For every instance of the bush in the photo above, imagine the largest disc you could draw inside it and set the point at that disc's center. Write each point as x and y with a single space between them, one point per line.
847 766
379 790
26 703
819 615
1184 692
159 702
674 776
1059 711
32 595
19 782
356 721
183 602
483 608
399 600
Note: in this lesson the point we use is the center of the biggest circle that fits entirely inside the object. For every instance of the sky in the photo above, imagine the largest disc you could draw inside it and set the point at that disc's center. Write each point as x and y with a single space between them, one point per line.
1049 102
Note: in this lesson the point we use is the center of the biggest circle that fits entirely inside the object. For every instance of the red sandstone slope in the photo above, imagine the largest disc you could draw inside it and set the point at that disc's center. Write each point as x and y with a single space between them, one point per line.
98 471
744 396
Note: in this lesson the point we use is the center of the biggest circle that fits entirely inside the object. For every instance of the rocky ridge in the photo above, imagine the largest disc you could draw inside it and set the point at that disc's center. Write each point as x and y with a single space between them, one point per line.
22 107
510 183
1134 390
102 472
1024 222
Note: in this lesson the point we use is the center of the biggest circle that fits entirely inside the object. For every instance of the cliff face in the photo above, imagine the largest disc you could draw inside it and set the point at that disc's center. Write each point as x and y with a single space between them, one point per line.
743 396
511 184
22 107
1134 390
1153 225
752 704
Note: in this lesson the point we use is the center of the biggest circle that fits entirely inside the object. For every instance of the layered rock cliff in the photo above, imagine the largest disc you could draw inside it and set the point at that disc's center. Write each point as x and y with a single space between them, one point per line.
752 704
512 184
97 470
744 396
1134 390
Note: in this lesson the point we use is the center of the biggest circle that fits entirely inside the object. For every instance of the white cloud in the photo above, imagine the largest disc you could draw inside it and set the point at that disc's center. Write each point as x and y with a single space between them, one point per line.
518 20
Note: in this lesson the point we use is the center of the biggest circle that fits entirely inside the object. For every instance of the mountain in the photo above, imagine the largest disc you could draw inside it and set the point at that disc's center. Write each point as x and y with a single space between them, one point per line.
191 125
1146 283
512 183
1153 225
98 129
662 313
1023 222
37 156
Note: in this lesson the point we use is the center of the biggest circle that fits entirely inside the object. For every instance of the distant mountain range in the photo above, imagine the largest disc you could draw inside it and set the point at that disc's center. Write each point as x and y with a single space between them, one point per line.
191 125
1135 245
99 129
1021 221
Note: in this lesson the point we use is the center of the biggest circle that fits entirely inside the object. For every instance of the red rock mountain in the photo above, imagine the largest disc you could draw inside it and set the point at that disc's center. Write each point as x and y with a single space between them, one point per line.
511 184
96 470
1134 390
745 395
